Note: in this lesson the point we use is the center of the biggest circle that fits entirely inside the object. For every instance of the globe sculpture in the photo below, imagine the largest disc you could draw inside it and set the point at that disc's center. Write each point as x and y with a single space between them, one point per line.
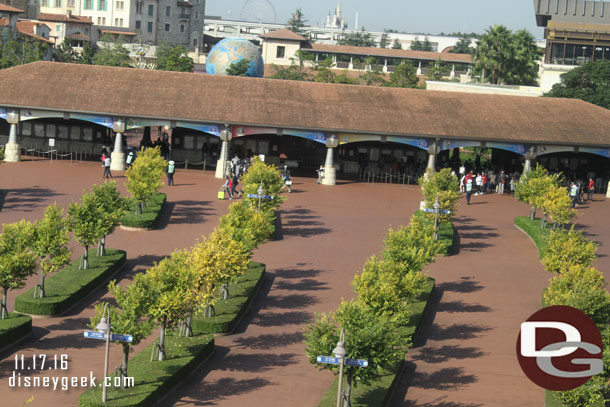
231 50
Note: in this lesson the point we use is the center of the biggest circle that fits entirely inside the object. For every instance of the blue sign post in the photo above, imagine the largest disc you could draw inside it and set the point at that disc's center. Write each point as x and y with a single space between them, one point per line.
335 361
113 337
445 211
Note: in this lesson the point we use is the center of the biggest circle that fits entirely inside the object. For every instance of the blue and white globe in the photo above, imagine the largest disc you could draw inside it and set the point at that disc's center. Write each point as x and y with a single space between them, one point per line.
231 50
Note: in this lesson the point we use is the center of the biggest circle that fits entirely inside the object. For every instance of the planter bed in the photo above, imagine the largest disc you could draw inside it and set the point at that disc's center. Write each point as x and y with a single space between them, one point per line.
70 285
14 328
150 214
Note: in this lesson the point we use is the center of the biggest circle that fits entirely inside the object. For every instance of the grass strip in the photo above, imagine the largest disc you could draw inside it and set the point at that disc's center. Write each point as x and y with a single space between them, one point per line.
150 213
154 379
13 328
69 285
446 233
535 232
229 312
378 392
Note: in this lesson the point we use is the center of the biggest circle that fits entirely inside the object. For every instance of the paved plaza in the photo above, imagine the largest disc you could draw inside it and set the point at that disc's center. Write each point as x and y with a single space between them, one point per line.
465 355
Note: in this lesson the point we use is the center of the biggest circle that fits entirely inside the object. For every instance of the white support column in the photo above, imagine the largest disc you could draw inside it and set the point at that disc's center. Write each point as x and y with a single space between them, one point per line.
117 157
452 74
432 152
223 166
385 66
11 150
419 69
530 156
351 63
330 172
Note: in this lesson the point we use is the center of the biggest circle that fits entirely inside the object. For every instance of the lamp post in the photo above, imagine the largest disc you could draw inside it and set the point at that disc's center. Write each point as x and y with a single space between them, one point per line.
437 207
340 353
261 192
104 327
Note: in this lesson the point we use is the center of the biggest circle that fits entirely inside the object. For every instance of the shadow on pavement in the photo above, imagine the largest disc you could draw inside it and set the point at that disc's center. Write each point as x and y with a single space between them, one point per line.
25 199
270 341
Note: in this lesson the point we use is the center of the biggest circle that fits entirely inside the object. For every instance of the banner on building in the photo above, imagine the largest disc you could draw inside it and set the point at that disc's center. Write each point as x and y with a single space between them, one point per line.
31 114
241 131
3 113
345 138
213 129
310 135
422 143
604 152
450 144
543 149
105 121
515 148
137 123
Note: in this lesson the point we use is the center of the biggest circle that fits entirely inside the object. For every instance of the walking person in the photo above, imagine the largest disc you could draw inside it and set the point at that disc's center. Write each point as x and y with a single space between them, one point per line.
468 187
591 189
228 185
287 180
130 159
234 182
171 169
320 174
501 183
573 193
107 162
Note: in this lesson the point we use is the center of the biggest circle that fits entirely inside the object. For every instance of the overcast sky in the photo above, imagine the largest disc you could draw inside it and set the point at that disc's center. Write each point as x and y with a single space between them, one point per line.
425 16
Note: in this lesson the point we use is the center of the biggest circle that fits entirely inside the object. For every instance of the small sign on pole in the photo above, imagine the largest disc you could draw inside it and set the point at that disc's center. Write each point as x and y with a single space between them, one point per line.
51 142
113 337
444 211
335 361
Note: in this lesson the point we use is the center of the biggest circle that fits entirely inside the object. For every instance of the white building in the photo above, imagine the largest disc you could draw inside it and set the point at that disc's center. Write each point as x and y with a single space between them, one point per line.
336 21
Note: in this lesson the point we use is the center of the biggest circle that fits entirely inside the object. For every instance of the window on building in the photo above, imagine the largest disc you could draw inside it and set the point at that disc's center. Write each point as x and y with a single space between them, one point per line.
120 5
103 20
196 15
194 42
58 3
44 3
139 6
151 9
138 25
181 28
70 3
281 52
86 30
116 21
88 4
99 21
57 27
167 27
150 26
102 5
168 11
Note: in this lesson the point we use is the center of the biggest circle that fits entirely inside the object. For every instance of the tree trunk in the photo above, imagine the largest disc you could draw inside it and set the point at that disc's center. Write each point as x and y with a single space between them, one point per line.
544 221
162 341
225 291
533 213
139 206
101 250
124 364
210 311
86 258
348 391
4 302
41 286
188 330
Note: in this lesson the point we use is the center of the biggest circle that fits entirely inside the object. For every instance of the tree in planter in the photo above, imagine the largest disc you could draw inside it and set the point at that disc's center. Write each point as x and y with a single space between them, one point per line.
446 186
129 317
85 222
413 246
246 225
367 336
145 176
216 261
540 190
566 249
387 289
111 206
558 205
272 182
17 259
170 286
51 240
524 190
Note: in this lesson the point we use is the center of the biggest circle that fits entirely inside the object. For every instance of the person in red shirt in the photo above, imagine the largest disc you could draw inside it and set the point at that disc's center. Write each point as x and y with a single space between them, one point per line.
591 189
484 180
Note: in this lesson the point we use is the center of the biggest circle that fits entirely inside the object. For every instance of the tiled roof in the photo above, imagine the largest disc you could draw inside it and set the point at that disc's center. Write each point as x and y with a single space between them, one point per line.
283 34
4 22
389 53
303 105
8 9
79 36
61 18
118 32
26 27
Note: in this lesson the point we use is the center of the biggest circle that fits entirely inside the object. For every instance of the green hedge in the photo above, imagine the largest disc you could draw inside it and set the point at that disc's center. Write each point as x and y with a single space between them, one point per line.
446 234
13 328
230 312
150 213
69 285
379 392
532 229
154 379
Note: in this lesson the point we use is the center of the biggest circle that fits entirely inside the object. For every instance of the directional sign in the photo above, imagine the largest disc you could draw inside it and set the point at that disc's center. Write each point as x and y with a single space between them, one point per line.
113 337
439 211
335 361
261 196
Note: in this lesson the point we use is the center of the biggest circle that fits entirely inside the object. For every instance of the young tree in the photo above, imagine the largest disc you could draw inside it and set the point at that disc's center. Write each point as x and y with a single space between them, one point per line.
566 249
51 243
17 259
438 71
588 82
272 183
173 58
396 44
65 52
463 46
246 225
297 23
85 222
170 286
217 260
360 38
20 51
558 205
296 71
367 336
524 190
87 54
111 206
425 45
446 186
112 52
403 76
145 176
323 70
373 78
238 68
540 190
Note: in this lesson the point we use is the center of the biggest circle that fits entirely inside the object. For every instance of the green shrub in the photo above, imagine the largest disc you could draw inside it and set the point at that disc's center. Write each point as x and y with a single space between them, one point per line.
272 184
246 225
154 379
69 285
566 249
150 213
587 395
412 246
13 328
444 184
229 312
583 288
